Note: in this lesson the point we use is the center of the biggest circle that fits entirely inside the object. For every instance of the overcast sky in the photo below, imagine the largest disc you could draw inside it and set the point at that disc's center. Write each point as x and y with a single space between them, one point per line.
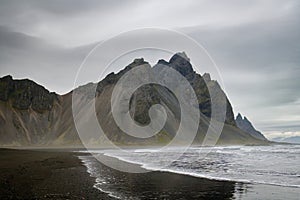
256 45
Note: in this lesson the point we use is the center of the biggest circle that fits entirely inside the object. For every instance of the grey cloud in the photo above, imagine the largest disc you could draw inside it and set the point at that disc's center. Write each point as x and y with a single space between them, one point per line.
260 65
53 66
57 7
290 127
256 44
79 22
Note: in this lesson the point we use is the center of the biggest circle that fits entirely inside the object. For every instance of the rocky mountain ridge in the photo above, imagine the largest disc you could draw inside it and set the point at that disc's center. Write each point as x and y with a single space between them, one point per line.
25 94
246 125
31 115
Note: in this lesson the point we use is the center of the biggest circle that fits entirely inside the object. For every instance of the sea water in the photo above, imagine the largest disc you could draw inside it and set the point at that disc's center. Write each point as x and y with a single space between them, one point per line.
273 166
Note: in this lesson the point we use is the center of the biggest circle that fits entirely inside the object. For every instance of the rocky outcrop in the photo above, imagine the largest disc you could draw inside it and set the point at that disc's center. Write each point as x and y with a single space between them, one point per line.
25 94
28 112
245 125
202 86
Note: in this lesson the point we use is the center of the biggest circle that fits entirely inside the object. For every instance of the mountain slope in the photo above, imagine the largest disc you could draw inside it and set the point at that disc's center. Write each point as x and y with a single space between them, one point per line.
28 112
31 115
245 125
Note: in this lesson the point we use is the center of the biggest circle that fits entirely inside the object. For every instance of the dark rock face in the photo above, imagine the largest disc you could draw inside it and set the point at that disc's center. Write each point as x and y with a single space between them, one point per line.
142 100
181 63
113 78
246 125
146 96
201 86
25 94
29 114
149 95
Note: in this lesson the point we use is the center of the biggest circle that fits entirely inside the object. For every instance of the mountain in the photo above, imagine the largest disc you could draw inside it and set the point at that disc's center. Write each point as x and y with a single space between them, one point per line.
292 139
245 125
31 115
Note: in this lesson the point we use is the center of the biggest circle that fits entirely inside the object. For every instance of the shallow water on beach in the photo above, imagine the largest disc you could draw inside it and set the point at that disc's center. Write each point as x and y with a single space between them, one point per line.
276 169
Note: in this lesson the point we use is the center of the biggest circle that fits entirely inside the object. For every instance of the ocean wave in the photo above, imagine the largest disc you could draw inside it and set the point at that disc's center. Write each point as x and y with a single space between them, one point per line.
258 167
251 165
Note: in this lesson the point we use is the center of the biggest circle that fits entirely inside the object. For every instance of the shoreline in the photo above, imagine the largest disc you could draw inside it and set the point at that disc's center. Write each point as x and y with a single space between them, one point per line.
126 163
56 174
195 187
157 184
62 174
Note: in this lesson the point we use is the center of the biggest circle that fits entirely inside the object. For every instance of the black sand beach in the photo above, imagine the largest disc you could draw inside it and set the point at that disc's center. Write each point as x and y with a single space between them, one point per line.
40 174
60 174
45 175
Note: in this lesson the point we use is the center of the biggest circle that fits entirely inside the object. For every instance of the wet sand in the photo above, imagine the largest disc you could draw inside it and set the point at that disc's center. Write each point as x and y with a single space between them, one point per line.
156 184
37 174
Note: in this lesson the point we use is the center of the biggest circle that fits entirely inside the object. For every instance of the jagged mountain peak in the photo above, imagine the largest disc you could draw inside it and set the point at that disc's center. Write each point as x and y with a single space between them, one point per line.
243 118
181 63
244 124
206 77
239 117
181 55
7 78
138 61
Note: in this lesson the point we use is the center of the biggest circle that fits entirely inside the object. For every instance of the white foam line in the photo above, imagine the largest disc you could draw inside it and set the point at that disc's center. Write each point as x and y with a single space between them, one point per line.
143 165
220 178
98 182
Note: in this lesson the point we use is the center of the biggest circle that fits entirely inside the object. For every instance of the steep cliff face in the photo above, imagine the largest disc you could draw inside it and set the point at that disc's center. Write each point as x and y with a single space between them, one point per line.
28 112
148 95
245 125
202 86
31 115
25 94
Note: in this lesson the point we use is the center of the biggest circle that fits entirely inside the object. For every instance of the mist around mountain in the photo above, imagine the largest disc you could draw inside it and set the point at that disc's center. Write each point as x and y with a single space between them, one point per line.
245 125
292 139
30 115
